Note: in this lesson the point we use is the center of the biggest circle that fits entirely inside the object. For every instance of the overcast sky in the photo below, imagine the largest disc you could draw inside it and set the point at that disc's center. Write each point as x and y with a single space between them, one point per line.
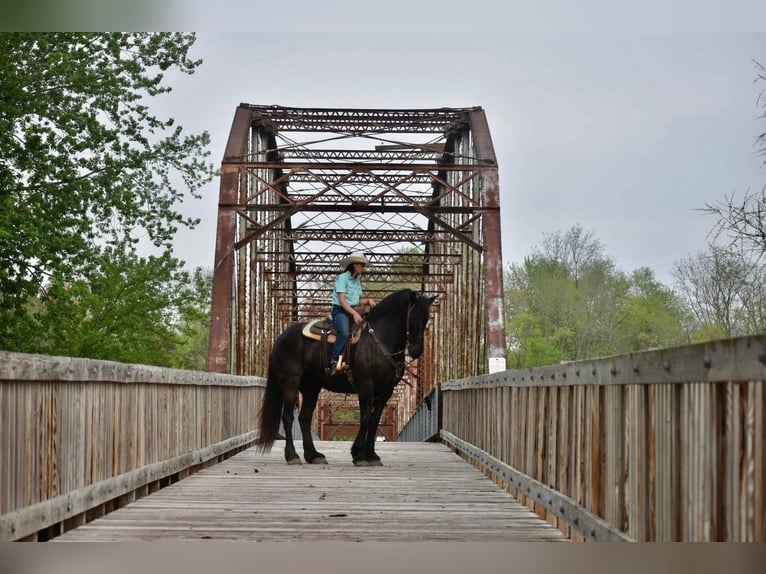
626 133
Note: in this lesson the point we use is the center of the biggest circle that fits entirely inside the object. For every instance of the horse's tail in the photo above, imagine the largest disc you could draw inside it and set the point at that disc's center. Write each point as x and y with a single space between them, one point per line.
271 413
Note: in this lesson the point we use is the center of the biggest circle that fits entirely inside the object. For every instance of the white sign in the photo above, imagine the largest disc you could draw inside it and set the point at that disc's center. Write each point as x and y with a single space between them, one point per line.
496 364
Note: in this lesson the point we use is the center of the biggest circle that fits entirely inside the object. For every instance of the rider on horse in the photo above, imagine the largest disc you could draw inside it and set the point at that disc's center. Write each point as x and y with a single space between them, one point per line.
346 295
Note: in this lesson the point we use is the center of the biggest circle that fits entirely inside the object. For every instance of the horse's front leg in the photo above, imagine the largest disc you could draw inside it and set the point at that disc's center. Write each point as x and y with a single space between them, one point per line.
372 457
366 417
310 452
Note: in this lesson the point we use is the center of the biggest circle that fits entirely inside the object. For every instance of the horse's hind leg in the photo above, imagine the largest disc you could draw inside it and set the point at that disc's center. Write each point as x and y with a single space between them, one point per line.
289 399
310 453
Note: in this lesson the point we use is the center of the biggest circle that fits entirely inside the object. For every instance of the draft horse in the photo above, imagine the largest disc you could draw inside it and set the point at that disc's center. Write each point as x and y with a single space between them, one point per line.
376 365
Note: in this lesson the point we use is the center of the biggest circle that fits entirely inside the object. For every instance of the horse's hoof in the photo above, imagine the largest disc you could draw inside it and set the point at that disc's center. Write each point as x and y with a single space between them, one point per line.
361 463
294 461
375 463
318 460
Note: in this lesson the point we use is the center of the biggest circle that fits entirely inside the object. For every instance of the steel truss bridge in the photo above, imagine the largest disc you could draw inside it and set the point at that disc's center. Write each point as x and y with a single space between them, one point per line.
415 189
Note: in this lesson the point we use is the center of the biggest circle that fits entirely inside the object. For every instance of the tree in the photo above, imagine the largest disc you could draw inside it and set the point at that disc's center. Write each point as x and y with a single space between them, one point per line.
576 249
126 310
568 301
724 291
85 171
650 315
84 165
193 324
585 289
529 344
744 220
131 309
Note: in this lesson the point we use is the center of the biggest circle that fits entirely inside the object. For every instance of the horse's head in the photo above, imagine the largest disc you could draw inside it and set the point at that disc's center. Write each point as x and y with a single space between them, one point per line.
417 318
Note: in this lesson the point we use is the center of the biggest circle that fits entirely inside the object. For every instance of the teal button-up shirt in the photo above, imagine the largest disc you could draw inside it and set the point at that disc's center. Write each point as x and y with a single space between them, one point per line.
344 283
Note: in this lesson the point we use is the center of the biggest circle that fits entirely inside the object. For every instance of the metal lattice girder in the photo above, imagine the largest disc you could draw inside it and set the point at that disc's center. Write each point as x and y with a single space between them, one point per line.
416 190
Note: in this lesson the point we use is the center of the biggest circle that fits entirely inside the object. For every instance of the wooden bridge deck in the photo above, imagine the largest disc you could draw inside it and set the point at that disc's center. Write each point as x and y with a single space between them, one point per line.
425 492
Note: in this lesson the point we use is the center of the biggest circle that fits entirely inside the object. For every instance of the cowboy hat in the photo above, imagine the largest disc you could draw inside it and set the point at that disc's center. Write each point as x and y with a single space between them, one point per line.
356 257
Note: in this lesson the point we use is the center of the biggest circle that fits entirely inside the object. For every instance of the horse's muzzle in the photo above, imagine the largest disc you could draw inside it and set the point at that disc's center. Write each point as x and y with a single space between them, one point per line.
415 350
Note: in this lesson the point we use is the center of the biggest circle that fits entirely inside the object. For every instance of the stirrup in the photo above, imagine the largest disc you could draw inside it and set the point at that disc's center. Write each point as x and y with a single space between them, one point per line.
336 368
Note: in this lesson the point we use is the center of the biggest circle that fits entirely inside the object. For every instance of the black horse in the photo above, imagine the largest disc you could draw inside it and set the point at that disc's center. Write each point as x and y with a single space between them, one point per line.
376 365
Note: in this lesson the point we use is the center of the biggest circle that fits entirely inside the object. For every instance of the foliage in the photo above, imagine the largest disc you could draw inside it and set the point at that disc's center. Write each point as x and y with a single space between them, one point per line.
725 292
83 162
531 345
127 311
652 316
193 324
724 288
568 301
85 171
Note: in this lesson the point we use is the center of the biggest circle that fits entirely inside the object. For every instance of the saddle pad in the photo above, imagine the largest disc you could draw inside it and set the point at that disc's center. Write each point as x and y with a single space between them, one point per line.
316 328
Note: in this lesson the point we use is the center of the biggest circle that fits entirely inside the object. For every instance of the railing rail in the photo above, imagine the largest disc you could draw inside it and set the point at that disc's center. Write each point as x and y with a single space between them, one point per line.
425 423
79 437
661 445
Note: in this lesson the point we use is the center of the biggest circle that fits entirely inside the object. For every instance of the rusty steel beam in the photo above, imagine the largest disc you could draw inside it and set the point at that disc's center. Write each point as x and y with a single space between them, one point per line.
306 205
287 119
493 257
223 266
359 155
302 166
364 235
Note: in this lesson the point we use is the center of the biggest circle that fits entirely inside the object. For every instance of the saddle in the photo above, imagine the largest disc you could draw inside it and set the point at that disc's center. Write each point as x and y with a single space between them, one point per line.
324 330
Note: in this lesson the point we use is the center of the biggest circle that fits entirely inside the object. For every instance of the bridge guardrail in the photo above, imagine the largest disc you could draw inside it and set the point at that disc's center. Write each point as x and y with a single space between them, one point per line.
80 437
661 445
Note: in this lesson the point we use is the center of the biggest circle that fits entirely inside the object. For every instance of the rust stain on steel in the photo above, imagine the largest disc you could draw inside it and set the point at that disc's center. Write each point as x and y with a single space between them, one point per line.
223 265
416 190
493 268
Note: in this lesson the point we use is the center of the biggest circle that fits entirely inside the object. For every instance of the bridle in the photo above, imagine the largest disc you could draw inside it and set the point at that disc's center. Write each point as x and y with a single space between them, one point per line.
397 365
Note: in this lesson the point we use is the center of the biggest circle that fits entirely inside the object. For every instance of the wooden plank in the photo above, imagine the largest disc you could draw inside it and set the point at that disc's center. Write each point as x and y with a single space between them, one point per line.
552 441
564 441
732 454
577 421
636 482
757 395
44 368
664 460
613 456
254 496
587 525
592 451
736 359
28 520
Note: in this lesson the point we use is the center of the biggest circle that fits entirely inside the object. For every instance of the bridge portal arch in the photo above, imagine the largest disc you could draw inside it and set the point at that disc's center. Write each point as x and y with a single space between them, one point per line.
415 189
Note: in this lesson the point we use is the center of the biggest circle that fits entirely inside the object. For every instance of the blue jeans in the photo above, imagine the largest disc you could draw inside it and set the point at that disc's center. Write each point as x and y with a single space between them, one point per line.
342 322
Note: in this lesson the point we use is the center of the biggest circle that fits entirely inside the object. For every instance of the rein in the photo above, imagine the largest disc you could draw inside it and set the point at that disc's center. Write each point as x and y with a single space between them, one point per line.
398 366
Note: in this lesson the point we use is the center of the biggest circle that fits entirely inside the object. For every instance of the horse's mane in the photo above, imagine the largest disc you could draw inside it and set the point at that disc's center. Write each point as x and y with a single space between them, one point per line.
390 304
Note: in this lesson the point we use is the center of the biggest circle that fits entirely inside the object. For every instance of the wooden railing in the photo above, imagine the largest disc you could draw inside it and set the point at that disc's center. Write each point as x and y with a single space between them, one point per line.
662 445
80 437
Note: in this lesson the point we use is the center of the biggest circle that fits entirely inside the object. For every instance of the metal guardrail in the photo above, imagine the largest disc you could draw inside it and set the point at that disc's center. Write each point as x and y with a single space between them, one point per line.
426 422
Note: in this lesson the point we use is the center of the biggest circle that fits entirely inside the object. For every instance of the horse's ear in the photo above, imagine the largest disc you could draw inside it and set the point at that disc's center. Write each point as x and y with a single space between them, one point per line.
432 299
413 297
